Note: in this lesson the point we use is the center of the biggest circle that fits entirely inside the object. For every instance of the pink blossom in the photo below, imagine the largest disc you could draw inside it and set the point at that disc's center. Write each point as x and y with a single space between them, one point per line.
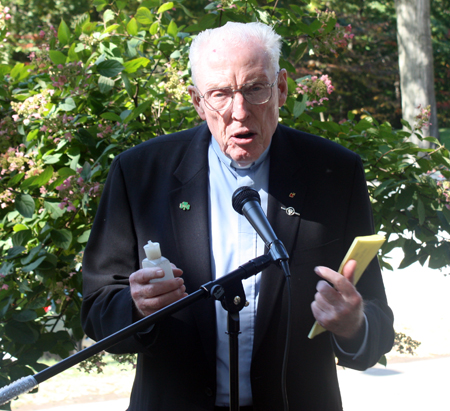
71 207
5 286
15 117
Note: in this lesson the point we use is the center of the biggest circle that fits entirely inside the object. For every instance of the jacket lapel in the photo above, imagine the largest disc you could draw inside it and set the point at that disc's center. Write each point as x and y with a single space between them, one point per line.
286 190
189 212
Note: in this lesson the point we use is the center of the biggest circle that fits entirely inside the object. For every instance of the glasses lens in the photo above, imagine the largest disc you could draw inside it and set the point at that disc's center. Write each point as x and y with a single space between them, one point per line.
258 93
219 99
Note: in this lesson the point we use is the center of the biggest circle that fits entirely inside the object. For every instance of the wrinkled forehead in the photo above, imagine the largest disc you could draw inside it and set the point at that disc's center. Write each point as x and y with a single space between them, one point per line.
233 62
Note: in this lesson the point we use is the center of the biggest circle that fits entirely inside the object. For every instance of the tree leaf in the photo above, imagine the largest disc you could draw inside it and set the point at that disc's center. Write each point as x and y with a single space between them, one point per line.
43 178
68 105
105 84
109 68
35 264
24 315
154 28
14 252
172 29
144 16
110 28
62 238
138 111
87 28
21 332
53 209
108 15
165 7
57 57
132 27
4 69
21 238
83 238
25 205
121 4
39 302
63 33
100 4
421 211
132 66
14 180
111 116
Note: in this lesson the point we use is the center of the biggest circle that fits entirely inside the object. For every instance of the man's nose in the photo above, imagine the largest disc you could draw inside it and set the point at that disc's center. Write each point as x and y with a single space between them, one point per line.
239 106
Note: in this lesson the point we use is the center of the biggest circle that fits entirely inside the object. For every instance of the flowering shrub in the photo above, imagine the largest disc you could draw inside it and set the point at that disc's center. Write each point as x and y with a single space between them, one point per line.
331 36
94 88
316 89
423 118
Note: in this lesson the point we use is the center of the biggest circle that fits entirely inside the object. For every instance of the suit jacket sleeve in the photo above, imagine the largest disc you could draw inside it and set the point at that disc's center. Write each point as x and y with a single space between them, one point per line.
378 314
108 261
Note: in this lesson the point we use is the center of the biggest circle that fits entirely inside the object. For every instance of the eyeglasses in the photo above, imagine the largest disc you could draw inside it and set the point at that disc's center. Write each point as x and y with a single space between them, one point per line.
219 99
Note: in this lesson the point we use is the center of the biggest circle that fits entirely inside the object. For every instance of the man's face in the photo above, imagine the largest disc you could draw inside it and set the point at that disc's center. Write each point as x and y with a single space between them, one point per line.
243 130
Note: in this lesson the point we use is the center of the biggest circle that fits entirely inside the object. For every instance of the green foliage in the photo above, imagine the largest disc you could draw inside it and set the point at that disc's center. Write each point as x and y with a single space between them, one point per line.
405 344
115 77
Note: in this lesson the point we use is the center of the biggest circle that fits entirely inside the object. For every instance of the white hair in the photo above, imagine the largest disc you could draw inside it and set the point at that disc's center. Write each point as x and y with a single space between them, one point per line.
237 34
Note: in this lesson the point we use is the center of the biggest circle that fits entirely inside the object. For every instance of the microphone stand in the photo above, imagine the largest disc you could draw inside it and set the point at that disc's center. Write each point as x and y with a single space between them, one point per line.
228 289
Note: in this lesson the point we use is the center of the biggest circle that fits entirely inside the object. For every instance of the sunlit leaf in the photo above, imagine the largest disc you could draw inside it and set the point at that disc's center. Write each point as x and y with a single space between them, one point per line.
63 33
165 7
132 27
144 16
105 84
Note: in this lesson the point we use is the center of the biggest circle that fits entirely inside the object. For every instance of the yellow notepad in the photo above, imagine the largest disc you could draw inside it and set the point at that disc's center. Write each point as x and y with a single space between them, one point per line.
362 250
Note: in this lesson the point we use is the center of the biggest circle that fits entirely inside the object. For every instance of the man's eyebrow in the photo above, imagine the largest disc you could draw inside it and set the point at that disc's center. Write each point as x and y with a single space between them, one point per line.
253 81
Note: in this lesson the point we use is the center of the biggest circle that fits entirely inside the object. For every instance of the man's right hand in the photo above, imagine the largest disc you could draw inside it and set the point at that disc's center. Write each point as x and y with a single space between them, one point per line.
149 298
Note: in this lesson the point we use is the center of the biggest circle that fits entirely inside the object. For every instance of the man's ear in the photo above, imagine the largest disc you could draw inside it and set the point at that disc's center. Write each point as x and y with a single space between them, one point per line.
282 87
196 101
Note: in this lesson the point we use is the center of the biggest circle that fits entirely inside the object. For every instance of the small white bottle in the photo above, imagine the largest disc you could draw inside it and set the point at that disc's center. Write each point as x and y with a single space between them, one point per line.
154 259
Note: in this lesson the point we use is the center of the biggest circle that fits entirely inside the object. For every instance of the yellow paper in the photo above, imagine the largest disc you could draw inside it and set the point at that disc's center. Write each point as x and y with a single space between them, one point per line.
362 250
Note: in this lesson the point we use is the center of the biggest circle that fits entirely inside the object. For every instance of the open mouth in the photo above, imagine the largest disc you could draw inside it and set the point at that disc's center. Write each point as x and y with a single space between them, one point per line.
244 136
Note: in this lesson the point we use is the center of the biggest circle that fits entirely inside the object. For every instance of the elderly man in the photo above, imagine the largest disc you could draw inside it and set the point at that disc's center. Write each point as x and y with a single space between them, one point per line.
183 361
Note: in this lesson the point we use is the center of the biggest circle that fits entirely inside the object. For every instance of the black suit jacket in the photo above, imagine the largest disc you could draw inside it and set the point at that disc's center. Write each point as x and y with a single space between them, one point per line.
323 181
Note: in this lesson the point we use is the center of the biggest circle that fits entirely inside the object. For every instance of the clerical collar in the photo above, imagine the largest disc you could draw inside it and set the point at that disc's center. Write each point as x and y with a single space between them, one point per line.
231 163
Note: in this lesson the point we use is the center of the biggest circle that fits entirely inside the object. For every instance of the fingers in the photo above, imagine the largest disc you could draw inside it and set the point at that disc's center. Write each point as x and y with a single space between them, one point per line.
151 297
338 307
349 270
342 283
144 275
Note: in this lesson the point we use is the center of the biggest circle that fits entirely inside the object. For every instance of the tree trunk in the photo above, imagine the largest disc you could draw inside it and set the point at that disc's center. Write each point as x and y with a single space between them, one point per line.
416 63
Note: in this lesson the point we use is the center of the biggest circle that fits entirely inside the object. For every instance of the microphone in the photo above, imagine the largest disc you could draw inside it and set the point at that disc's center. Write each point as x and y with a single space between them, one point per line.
247 202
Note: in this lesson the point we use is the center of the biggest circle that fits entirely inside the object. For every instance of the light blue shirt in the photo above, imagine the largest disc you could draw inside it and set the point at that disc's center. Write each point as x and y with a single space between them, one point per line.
233 243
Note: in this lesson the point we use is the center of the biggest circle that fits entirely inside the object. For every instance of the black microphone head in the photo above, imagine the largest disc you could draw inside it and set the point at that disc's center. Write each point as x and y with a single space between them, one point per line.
242 195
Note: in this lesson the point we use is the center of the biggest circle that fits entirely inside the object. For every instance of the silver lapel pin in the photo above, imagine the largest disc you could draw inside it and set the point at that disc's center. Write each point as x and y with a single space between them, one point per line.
290 211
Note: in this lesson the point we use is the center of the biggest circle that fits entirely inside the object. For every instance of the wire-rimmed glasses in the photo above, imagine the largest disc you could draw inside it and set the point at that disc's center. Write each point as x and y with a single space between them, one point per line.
219 99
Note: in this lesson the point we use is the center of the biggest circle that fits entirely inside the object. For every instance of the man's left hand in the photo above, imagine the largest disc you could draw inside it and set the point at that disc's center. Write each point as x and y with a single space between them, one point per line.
339 308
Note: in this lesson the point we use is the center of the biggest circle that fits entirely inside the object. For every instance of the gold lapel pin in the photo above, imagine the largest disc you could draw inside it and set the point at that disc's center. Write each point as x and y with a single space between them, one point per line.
292 195
290 211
